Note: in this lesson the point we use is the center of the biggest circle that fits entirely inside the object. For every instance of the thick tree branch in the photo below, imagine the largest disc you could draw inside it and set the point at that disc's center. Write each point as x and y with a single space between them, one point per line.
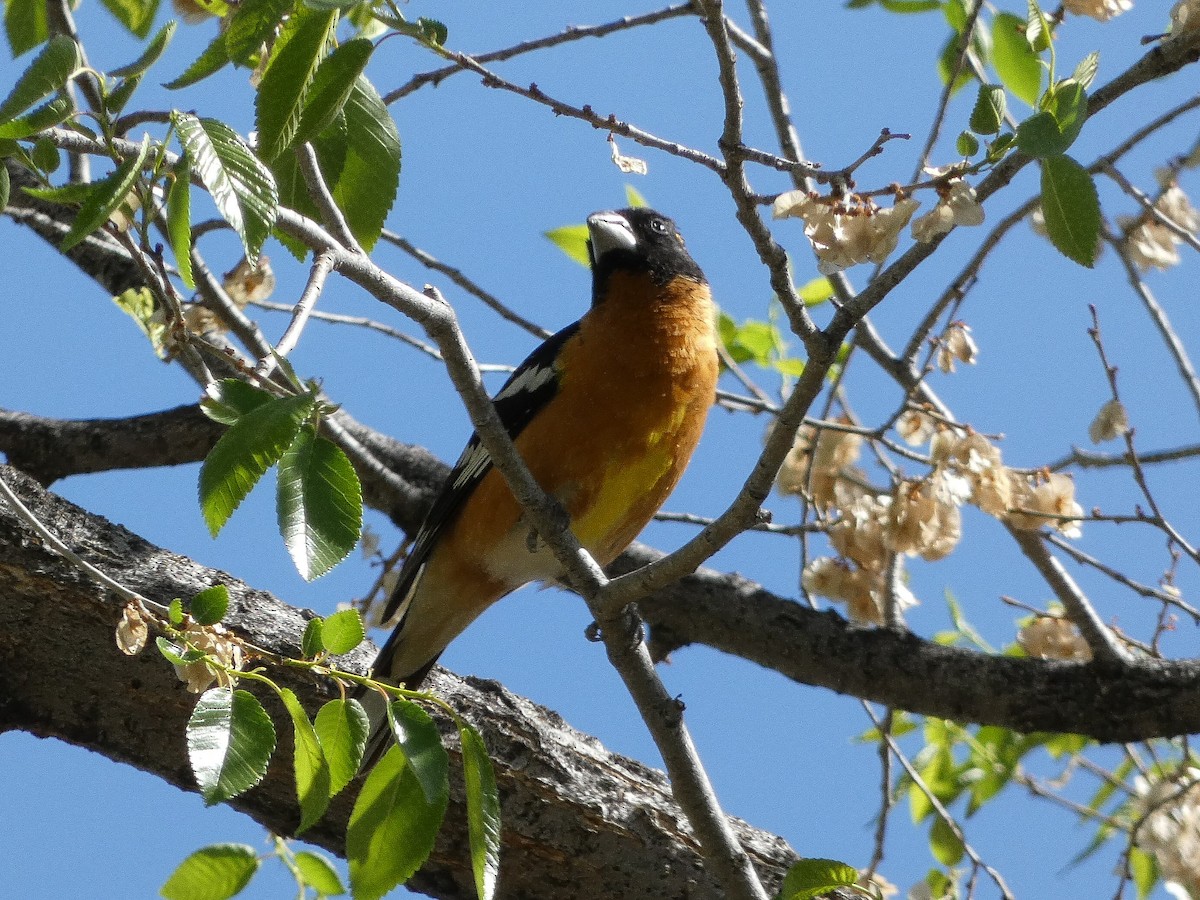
573 812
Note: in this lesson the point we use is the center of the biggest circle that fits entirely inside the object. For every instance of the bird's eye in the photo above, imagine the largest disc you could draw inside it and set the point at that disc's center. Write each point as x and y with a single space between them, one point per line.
659 225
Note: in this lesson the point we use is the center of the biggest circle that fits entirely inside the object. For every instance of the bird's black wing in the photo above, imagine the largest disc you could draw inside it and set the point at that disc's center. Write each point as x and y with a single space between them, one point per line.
526 392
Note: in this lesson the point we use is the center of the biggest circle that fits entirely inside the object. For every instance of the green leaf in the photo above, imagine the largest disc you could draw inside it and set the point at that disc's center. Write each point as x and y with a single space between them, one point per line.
253 444
106 197
136 15
1085 71
1052 131
214 58
1016 63
944 843
392 827
210 605
331 87
5 187
132 73
179 219
46 75
1037 29
295 56
26 24
311 769
318 503
966 144
907 7
370 175
342 631
175 612
417 735
319 874
483 811
310 643
175 655
573 241
1144 869
45 155
948 63
809 878
988 115
45 116
342 727
816 292
1071 208
240 185
230 739
229 399
634 198
253 24
216 872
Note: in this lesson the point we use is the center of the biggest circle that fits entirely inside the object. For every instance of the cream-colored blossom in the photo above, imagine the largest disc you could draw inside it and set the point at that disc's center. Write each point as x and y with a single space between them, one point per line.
1185 16
957 206
246 282
1100 10
819 458
628 164
862 590
215 641
846 231
1170 831
859 533
1149 242
1176 206
972 457
1110 422
923 519
915 427
132 630
956 343
1054 637
1046 500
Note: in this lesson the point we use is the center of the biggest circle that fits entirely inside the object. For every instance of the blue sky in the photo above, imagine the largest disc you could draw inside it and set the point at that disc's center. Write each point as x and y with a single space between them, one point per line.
485 173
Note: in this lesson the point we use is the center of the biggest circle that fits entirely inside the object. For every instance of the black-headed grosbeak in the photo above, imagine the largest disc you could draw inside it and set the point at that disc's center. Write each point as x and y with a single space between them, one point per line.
606 414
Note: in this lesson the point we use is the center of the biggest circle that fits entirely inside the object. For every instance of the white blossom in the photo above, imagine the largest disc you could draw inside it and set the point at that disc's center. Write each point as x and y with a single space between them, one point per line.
1110 422
847 231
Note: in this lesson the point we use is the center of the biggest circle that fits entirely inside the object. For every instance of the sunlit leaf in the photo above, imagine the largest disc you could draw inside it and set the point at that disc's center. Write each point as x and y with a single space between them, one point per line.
1016 63
296 54
216 872
309 765
342 727
813 877
210 605
573 241
106 197
46 75
483 812
1071 208
230 739
319 874
342 631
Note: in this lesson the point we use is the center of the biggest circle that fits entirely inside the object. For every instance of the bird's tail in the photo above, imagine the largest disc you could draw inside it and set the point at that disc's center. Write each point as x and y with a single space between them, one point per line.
376 704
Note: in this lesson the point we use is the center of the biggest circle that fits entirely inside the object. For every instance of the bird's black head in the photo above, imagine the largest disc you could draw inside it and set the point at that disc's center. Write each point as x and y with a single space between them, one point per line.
637 240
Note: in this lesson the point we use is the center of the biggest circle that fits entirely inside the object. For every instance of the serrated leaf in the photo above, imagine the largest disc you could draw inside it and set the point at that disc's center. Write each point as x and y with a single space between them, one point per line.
240 185
229 399
176 655
46 75
253 444
342 631
106 197
573 241
214 58
26 24
230 739
319 874
1071 208
253 24
45 155
1085 71
179 219
988 115
370 175
311 769
175 612
295 56
310 643
216 872
1037 29
46 116
809 878
483 812
392 827
319 505
136 15
342 727
418 737
331 87
1016 63
132 73
210 605
944 843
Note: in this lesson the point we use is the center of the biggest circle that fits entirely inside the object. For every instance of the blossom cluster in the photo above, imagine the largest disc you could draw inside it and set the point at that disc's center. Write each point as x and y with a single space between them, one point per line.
1171 830
1151 244
872 530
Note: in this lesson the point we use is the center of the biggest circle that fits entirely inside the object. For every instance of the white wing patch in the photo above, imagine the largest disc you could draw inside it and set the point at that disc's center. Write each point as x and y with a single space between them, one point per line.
406 602
474 461
524 382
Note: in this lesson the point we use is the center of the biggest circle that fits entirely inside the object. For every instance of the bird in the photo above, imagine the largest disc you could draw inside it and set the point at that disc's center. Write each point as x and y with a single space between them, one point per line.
606 415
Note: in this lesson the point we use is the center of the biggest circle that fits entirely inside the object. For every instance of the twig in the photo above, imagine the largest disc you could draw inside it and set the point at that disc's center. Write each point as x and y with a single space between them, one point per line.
318 190
321 267
960 58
